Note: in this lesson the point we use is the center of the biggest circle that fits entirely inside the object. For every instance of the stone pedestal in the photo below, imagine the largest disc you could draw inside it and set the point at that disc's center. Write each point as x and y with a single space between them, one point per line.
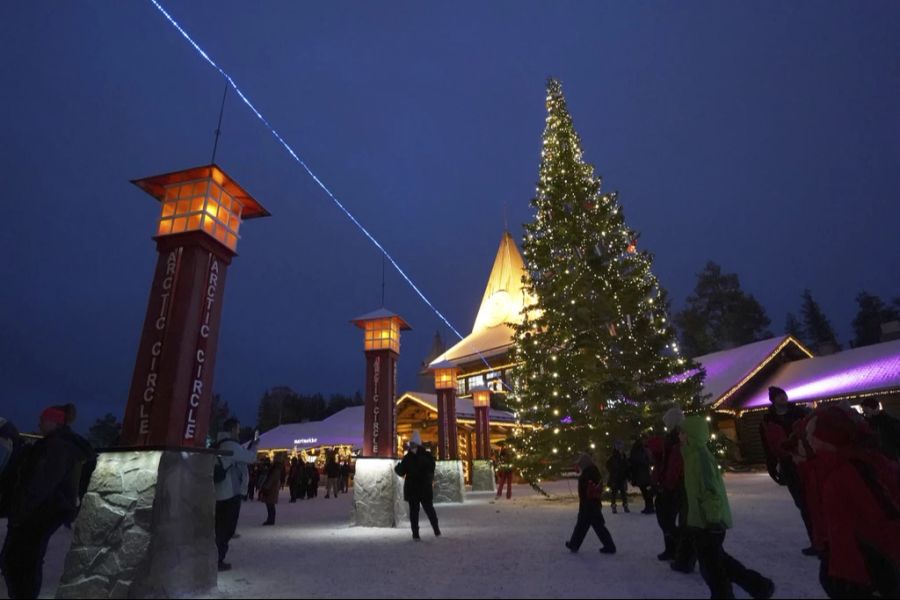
377 494
483 476
146 528
449 482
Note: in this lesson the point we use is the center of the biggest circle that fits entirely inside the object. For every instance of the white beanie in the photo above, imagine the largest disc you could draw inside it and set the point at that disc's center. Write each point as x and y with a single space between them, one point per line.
673 418
416 439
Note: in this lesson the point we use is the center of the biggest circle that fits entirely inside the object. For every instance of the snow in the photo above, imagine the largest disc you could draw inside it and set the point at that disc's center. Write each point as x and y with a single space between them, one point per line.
503 548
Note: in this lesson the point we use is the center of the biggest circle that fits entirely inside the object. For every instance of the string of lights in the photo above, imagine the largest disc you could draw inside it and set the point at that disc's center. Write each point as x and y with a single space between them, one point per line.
306 167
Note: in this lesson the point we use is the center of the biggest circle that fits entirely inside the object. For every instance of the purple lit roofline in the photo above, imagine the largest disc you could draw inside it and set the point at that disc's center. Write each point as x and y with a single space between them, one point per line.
874 375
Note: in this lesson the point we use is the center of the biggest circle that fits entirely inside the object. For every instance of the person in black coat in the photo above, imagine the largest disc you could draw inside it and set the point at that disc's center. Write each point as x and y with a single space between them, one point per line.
312 480
639 464
52 480
617 466
418 469
295 481
590 487
776 427
885 427
345 477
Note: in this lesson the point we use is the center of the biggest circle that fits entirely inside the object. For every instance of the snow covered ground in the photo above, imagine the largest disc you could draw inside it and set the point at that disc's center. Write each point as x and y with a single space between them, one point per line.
494 549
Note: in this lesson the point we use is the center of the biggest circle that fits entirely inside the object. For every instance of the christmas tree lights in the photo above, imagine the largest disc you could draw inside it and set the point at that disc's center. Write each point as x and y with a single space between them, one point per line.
597 358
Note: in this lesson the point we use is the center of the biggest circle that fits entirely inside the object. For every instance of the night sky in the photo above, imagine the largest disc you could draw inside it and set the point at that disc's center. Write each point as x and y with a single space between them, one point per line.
764 136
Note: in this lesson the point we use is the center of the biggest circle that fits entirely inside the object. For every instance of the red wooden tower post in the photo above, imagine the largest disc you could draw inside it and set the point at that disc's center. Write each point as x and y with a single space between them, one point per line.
382 348
481 401
197 233
445 383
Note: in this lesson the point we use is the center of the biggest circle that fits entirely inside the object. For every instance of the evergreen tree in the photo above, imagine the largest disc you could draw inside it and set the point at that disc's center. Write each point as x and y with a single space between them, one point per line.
793 327
720 315
104 433
597 357
816 325
873 312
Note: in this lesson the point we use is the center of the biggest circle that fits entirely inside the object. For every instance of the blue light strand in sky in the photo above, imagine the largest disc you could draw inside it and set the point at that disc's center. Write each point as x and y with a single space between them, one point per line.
303 164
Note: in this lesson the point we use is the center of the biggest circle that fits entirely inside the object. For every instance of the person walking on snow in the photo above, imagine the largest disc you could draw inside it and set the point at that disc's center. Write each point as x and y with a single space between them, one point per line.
294 479
312 480
232 487
504 472
345 477
775 429
333 473
668 479
417 467
639 468
709 517
53 478
590 514
617 466
858 509
268 491
885 427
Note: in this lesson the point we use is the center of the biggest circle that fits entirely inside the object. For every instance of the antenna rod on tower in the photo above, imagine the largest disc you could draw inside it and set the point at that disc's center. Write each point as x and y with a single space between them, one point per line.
219 126
382 280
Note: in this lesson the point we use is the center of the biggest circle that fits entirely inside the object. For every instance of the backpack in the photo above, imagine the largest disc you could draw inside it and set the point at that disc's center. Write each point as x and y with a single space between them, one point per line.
220 472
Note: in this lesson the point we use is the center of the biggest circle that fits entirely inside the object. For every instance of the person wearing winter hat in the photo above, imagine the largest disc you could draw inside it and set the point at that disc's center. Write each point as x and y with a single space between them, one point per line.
775 429
673 418
417 469
709 516
590 488
858 493
617 467
668 477
639 461
54 477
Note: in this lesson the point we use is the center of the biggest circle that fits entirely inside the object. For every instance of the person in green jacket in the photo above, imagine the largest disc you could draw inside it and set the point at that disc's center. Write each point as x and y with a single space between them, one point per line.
709 516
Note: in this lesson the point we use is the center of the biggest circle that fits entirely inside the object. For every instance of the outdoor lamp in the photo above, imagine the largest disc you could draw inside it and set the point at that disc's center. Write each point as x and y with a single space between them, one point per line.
202 199
445 375
481 397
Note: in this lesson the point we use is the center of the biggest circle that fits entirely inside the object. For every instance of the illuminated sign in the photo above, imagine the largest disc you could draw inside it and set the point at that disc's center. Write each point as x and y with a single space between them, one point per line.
305 441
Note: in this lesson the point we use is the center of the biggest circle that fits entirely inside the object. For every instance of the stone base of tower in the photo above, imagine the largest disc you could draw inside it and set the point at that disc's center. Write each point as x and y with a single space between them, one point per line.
377 494
483 479
146 528
449 482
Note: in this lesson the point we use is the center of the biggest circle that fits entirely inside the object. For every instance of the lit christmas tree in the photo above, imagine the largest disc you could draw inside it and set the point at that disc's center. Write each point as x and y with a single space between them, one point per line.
598 357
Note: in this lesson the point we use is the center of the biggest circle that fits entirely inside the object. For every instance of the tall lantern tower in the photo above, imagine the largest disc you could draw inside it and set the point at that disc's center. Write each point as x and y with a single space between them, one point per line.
377 491
196 236
159 484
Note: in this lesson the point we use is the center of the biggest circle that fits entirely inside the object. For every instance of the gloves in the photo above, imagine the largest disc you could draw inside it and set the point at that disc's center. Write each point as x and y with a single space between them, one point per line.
776 476
716 527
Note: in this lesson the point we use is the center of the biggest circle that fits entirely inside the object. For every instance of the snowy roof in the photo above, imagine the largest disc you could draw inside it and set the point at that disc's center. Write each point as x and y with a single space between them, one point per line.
503 303
729 370
344 427
848 374
479 344
381 313
464 408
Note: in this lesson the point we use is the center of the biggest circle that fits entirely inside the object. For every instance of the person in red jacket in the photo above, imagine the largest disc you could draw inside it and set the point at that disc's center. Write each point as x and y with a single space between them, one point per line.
775 429
860 502
668 479
811 475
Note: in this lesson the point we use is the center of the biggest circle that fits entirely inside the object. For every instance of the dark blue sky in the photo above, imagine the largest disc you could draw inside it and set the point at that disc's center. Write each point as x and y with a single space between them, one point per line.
762 135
